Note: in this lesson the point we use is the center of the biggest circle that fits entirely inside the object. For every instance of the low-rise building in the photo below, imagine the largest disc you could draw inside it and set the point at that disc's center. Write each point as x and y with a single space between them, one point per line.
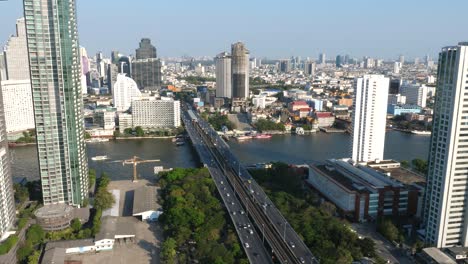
394 109
125 121
145 205
297 105
324 119
366 193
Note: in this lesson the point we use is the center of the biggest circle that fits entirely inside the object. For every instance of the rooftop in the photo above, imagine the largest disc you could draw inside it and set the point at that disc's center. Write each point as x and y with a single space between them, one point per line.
116 226
53 210
144 200
54 256
438 256
70 244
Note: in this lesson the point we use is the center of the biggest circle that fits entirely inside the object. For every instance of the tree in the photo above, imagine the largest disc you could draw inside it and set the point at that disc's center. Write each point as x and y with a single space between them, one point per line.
6 245
34 258
405 164
75 225
388 229
103 199
87 135
420 165
35 234
128 131
139 131
168 251
367 246
24 251
21 193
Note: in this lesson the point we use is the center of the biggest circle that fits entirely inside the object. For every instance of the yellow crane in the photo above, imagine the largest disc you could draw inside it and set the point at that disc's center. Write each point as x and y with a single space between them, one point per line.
135 161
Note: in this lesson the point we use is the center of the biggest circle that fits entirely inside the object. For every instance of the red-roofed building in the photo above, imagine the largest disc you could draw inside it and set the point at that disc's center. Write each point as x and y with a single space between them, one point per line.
324 119
297 105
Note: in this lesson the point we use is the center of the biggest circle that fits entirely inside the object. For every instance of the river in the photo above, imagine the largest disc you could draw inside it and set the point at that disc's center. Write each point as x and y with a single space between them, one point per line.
287 148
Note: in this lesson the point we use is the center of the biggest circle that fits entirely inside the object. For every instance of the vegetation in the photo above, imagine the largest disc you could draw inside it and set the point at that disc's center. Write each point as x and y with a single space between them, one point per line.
218 121
197 80
268 125
194 222
420 165
387 229
139 131
400 122
28 137
103 198
35 235
257 81
6 245
35 190
34 257
87 135
91 177
21 193
329 238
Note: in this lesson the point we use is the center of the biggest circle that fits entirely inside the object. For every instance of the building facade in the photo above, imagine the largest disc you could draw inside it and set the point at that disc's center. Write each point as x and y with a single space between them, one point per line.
55 70
153 113
447 180
223 75
415 94
146 50
7 200
124 89
240 70
147 73
15 54
18 105
369 117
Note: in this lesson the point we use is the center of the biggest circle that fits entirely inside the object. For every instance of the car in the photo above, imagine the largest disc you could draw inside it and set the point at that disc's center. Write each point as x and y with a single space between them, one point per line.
302 260
233 213
227 194
241 212
221 182
246 245
232 203
251 231
292 244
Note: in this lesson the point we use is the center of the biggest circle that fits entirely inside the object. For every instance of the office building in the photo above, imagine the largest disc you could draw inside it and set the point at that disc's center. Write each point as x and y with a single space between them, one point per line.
54 61
284 66
240 70
7 200
447 179
339 61
322 58
15 54
369 118
105 118
396 99
124 90
146 68
152 113
112 72
17 105
223 75
415 94
125 65
309 68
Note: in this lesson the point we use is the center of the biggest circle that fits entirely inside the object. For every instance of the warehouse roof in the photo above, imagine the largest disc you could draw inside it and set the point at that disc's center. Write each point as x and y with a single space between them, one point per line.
144 200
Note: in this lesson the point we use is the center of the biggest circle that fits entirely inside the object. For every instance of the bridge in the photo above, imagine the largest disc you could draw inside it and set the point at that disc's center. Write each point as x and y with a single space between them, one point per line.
259 224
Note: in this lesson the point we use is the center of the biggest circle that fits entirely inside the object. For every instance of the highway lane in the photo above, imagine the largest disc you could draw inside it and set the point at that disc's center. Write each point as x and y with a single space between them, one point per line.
250 240
289 236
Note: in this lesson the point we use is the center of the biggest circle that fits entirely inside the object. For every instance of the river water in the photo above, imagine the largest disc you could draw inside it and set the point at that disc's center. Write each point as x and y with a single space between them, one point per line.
287 148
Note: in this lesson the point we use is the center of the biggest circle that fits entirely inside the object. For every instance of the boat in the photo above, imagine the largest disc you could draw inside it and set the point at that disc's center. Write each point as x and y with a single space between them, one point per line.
96 140
180 143
243 137
420 132
262 136
99 158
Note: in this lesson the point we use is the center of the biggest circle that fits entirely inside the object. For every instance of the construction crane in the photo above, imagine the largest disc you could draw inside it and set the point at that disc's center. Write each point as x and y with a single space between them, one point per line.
135 161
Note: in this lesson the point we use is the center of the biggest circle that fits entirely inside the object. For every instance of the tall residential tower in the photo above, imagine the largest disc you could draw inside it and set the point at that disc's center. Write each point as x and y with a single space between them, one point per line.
56 88
447 180
223 75
369 118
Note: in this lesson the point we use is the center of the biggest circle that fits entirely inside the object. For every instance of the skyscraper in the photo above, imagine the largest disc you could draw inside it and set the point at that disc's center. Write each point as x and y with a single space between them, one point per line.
240 70
284 66
322 58
309 68
223 75
16 58
339 61
56 87
124 89
7 201
369 117
445 206
146 68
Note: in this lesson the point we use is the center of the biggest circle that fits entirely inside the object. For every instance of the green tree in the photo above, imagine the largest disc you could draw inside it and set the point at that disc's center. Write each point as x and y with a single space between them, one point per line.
128 131
168 251
367 246
103 199
87 135
6 245
35 234
24 251
420 165
139 131
405 164
75 225
21 193
34 257
388 229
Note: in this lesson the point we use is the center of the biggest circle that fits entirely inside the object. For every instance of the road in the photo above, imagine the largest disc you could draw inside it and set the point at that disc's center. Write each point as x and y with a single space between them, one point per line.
250 239
286 244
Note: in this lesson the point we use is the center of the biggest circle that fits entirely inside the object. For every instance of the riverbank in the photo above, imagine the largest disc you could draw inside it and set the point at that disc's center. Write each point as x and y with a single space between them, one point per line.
148 137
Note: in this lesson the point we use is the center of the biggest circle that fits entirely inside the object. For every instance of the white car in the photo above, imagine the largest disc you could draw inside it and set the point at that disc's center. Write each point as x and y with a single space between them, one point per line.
227 194
251 231
246 245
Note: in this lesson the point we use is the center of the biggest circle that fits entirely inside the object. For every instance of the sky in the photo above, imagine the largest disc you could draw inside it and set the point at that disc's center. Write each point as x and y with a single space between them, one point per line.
269 28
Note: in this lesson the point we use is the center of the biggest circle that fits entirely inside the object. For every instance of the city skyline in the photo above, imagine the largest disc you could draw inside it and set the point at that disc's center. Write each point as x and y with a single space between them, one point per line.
311 28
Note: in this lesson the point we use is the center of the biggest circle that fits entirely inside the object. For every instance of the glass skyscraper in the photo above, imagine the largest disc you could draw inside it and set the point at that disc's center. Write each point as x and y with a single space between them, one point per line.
56 88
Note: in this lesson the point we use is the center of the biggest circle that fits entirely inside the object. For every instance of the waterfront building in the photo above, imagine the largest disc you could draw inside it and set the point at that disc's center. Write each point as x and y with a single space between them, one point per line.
240 70
153 113
17 105
105 118
223 75
124 90
415 93
369 118
54 60
15 54
447 178
125 121
7 200
396 109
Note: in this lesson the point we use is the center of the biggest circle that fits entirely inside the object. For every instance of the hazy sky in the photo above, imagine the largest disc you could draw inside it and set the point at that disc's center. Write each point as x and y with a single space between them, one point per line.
271 28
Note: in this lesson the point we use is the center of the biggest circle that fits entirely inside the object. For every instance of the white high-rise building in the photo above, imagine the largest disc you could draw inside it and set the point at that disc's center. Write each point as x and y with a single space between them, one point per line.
446 206
153 113
369 117
415 93
18 105
396 67
16 54
223 75
322 58
123 90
